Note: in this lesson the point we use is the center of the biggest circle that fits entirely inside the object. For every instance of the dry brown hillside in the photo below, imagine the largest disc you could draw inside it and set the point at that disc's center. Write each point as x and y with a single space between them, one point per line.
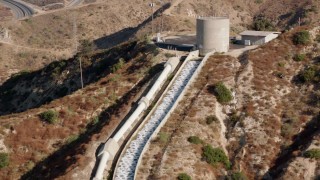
46 37
64 146
265 131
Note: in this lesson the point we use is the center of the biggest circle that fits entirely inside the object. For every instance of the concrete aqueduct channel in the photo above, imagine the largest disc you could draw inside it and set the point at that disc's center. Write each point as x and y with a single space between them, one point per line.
126 146
129 160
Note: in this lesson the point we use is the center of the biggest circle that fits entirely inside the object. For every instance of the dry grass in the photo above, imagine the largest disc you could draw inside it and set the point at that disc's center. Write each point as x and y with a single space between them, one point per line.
178 155
32 140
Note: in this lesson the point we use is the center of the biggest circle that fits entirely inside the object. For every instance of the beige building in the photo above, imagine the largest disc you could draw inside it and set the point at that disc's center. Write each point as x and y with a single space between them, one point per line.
257 37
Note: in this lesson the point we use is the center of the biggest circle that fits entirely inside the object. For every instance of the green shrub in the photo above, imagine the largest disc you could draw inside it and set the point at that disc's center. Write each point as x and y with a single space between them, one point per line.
195 140
118 65
94 120
308 74
234 118
299 57
215 155
258 1
301 38
72 138
262 24
222 93
163 137
183 176
281 64
238 176
211 119
49 116
312 153
4 160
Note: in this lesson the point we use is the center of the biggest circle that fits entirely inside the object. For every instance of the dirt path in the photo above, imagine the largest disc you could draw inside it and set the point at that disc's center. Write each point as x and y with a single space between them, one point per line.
221 116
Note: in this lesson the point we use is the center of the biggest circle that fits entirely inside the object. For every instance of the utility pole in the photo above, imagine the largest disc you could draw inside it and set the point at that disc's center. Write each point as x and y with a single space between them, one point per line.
161 17
213 9
75 28
152 5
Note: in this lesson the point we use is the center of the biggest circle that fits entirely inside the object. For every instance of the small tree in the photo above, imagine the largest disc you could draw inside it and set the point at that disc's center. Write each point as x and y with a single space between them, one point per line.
195 140
183 176
215 155
4 160
222 93
308 74
312 153
211 119
262 24
49 116
299 57
301 38
238 176
118 65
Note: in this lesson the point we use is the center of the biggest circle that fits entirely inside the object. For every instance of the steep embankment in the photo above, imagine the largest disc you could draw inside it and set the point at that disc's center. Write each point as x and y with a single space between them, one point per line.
64 145
101 22
271 121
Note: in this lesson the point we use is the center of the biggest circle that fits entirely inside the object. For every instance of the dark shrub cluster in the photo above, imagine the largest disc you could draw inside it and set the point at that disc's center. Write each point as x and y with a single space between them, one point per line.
215 155
210 119
4 160
195 140
222 93
183 176
301 38
312 153
49 116
299 57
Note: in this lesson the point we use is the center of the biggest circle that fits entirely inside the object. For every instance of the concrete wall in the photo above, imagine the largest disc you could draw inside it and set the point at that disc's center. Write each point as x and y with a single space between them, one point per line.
191 55
271 37
112 145
258 40
213 34
254 40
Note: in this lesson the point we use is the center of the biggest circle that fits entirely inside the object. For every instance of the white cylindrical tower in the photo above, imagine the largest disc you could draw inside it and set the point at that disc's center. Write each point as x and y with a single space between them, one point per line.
213 34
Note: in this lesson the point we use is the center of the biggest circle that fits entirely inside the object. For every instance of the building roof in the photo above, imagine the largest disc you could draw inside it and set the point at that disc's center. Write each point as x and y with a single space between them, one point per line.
258 33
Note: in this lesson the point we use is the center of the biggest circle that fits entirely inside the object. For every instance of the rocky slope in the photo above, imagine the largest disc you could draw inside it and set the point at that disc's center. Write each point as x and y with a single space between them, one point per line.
265 130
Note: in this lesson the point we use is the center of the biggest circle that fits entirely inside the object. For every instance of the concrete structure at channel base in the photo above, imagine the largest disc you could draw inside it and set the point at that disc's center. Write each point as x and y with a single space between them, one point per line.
249 38
213 34
112 146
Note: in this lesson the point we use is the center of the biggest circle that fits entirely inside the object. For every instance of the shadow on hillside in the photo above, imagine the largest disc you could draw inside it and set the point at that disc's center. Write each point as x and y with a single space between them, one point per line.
127 33
28 90
32 89
301 142
59 162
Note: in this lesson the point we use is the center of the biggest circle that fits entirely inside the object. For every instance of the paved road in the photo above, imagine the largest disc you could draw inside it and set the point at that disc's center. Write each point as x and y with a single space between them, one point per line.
19 9
74 3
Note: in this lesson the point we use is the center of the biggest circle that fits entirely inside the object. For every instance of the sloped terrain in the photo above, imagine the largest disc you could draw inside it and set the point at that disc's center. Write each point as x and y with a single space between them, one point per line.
59 149
265 130
39 40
